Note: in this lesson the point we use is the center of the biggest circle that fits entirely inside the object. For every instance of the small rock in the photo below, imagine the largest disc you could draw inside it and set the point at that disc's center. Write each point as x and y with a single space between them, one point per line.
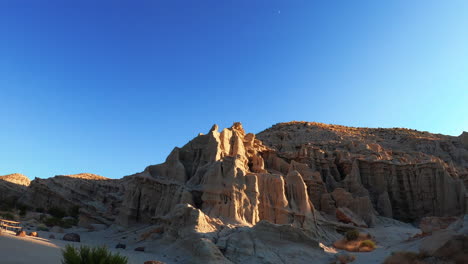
120 245
140 249
52 236
154 262
56 229
72 237
33 234
21 233
345 258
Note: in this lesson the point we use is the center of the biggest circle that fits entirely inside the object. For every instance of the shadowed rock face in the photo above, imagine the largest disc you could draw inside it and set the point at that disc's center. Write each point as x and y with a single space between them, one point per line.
12 186
405 174
97 197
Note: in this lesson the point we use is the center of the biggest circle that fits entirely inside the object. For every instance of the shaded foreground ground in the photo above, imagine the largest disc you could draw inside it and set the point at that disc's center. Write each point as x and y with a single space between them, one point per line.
390 236
20 250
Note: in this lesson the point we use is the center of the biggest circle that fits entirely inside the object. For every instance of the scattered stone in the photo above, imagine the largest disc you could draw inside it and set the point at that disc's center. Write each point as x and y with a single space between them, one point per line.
33 234
21 233
73 237
120 245
140 249
432 223
57 229
51 236
345 258
154 262
347 216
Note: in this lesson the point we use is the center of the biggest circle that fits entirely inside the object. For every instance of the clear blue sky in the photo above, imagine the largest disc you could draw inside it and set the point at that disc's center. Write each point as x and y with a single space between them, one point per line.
110 87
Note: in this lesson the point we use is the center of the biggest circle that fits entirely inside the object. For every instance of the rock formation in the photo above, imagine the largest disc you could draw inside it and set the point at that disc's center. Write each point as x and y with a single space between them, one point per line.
98 198
236 197
12 186
400 173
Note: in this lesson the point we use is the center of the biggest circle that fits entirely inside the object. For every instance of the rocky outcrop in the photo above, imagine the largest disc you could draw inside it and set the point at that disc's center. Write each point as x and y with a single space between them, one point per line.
223 174
98 198
12 187
234 197
400 173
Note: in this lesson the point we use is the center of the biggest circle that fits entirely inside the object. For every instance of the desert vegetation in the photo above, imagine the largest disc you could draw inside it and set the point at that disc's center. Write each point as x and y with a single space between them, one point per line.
91 255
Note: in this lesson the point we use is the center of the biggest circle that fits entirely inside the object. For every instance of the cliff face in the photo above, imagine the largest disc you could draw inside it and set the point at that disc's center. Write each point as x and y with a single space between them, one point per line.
406 174
292 173
98 198
232 196
223 174
12 186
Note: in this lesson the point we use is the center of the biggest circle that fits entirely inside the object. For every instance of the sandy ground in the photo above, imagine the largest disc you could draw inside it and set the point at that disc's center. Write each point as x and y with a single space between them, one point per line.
390 236
21 250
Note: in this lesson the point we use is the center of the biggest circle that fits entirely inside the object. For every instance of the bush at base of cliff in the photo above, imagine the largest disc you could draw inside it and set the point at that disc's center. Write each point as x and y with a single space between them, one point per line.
88 255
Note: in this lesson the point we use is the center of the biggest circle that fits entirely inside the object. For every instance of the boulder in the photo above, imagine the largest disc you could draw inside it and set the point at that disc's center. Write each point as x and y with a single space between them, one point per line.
446 244
21 233
33 234
52 236
73 237
433 223
140 249
347 216
344 258
120 245
57 229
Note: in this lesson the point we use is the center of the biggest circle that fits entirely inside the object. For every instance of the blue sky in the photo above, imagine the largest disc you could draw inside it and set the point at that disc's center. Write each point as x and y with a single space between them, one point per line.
110 87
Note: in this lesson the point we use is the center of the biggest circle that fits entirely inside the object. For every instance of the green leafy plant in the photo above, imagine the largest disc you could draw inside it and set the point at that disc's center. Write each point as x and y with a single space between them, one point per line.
68 223
57 212
53 221
352 234
368 243
88 255
8 216
74 211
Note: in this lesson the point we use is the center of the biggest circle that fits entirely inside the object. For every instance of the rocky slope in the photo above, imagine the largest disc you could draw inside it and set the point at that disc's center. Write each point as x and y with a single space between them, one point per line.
12 186
406 174
97 197
226 195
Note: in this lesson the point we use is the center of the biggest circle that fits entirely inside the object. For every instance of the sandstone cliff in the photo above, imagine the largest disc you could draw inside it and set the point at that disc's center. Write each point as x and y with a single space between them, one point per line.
12 186
223 174
400 173
226 194
98 198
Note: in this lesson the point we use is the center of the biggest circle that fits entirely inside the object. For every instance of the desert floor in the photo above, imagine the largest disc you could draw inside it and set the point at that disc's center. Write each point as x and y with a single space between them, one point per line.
21 250
390 237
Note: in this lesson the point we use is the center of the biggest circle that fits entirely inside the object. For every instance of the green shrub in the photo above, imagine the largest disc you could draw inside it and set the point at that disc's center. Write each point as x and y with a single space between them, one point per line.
57 212
42 227
22 212
88 255
69 223
352 234
8 216
53 221
74 211
368 243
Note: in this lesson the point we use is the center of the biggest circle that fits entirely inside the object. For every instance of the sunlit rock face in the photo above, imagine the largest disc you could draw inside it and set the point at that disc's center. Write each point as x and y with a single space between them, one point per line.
400 173
298 169
224 175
